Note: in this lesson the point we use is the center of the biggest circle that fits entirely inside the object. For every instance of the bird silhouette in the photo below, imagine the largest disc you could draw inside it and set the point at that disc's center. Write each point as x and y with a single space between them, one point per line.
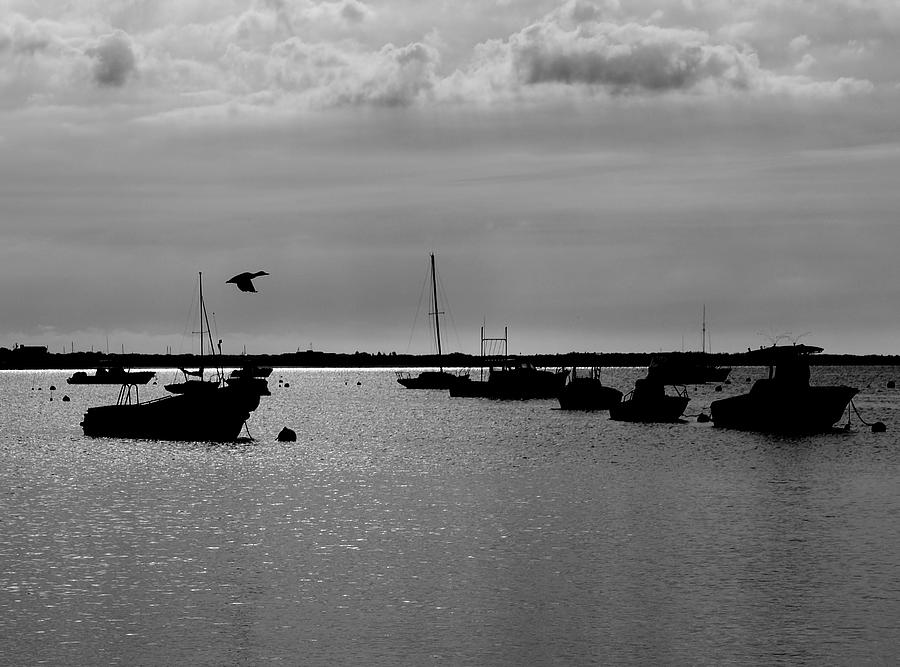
244 281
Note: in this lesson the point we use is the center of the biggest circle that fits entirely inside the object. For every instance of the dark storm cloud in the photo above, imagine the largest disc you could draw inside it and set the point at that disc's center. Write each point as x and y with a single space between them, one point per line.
114 60
649 66
627 58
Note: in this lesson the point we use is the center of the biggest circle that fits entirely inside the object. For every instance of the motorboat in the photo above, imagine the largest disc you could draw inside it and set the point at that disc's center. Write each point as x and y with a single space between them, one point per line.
200 409
648 402
784 402
587 392
111 375
508 378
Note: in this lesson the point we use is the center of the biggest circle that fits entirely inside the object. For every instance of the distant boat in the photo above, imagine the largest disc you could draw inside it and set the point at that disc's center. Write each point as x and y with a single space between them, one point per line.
195 382
439 379
508 378
111 375
784 402
649 402
251 372
210 410
586 392
680 368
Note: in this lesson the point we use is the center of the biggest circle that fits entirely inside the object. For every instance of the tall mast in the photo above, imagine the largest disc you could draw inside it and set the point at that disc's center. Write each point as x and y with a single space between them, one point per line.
200 311
436 312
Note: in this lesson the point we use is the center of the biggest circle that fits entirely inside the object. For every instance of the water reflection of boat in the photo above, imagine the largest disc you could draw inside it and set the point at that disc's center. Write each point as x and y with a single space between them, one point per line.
587 392
649 402
207 410
111 375
439 379
784 402
508 378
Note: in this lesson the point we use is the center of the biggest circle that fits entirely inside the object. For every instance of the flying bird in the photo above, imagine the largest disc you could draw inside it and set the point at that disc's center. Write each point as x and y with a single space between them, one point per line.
244 281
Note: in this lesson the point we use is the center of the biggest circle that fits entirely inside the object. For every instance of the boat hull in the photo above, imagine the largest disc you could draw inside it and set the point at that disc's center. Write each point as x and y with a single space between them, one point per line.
430 380
215 416
510 385
667 409
133 377
588 394
803 411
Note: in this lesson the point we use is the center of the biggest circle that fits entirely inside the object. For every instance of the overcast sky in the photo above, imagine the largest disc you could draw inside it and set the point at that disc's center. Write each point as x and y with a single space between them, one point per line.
588 173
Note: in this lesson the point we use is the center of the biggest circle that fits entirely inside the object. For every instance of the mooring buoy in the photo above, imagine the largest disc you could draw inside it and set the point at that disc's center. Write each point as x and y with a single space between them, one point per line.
287 435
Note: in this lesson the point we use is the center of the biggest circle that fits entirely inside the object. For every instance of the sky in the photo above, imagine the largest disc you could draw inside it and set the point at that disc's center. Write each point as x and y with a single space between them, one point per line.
590 175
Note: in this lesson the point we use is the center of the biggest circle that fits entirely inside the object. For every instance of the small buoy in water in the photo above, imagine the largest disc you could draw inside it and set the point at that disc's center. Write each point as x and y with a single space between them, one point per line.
52 387
879 427
66 398
718 387
702 418
287 435
358 384
891 384
287 384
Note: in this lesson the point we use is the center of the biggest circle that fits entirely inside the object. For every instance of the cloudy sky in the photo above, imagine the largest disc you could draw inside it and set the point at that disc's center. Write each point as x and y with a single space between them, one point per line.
590 174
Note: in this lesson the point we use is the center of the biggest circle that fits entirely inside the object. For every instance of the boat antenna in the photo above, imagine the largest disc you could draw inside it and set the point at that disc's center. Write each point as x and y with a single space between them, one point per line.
703 334
436 313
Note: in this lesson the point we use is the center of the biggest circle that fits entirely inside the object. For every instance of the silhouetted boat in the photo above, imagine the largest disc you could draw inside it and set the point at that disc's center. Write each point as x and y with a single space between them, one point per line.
649 402
214 416
195 382
111 375
784 402
582 392
251 372
207 410
439 379
508 378
679 368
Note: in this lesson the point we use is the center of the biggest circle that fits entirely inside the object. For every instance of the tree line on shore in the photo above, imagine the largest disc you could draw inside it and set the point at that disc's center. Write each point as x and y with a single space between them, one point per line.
37 357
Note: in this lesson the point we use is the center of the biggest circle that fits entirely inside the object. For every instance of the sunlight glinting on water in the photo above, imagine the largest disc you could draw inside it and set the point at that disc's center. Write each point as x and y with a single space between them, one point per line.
406 526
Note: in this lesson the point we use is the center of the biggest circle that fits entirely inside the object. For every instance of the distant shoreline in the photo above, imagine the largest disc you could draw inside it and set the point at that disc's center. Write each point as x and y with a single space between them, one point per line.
38 359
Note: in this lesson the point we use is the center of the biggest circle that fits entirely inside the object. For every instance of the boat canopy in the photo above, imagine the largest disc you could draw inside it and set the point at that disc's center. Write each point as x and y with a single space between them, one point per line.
777 354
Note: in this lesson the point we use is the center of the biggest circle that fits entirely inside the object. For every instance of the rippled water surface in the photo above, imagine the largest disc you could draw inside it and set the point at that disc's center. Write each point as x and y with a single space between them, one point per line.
406 527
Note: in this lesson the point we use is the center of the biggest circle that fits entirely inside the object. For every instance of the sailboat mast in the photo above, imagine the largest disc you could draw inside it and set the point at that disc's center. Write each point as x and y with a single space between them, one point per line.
200 311
437 320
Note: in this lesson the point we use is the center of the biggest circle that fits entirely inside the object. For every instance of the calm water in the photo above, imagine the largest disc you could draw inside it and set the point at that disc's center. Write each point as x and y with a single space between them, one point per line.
406 527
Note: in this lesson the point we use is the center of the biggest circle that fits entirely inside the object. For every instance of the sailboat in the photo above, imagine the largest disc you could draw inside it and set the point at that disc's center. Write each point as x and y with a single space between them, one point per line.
194 381
439 379
680 368
209 410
